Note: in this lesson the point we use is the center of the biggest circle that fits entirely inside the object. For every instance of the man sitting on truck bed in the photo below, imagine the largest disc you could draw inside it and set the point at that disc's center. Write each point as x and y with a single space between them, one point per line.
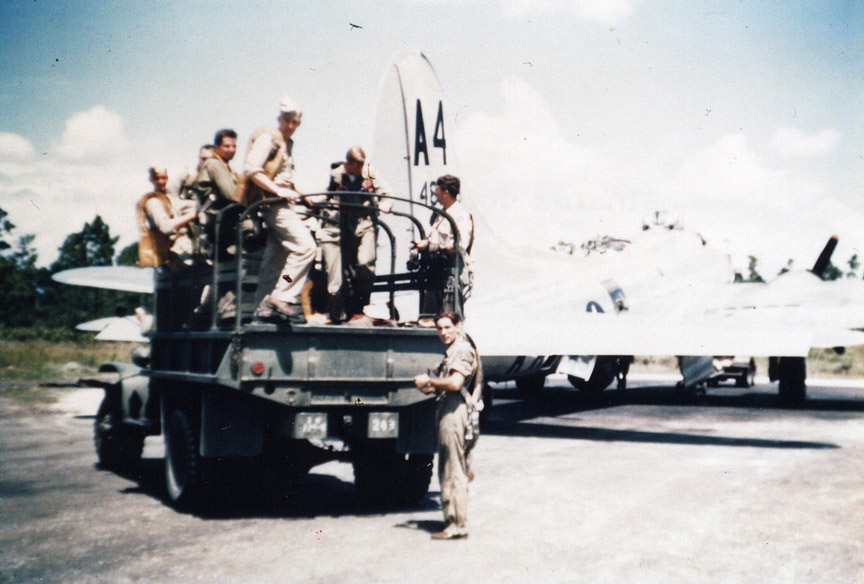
161 228
216 171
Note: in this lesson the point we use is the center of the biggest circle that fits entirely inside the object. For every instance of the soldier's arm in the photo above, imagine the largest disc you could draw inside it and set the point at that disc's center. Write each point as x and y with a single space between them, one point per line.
452 382
163 221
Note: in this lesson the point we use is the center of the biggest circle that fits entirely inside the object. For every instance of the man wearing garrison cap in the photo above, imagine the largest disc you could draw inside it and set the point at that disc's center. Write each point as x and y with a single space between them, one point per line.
290 249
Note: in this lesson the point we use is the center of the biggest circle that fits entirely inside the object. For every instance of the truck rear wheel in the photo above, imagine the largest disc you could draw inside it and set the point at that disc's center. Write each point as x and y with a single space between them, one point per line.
383 476
117 445
184 466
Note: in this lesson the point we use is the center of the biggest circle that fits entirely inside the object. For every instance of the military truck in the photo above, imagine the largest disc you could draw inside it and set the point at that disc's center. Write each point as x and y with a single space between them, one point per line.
227 392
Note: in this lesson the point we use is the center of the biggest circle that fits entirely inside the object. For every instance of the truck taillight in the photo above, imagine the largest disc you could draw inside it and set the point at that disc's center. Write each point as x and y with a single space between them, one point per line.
258 368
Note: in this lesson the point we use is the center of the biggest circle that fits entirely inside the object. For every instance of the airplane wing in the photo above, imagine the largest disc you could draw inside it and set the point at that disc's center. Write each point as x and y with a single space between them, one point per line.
123 278
115 328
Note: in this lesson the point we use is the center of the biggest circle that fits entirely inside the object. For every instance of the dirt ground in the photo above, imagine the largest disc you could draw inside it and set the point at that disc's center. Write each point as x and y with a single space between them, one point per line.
634 487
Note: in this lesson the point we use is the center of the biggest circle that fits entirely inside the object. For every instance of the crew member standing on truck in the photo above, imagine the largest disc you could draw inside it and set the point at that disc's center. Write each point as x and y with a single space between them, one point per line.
454 382
348 234
290 250
439 247
162 230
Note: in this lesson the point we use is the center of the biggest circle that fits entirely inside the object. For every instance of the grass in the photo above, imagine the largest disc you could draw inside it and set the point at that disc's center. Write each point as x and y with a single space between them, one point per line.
25 364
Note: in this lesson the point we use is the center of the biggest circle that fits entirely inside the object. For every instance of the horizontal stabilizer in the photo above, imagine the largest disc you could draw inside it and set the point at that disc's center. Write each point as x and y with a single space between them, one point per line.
115 328
123 278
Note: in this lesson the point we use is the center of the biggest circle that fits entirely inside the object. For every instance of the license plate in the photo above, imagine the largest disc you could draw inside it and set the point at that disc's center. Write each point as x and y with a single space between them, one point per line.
310 425
383 425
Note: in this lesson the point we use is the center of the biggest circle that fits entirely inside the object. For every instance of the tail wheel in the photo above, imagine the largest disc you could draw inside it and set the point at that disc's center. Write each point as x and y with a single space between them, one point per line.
184 466
117 445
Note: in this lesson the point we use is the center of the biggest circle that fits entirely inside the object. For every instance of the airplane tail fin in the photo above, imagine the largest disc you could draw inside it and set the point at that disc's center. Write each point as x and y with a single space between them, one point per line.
825 257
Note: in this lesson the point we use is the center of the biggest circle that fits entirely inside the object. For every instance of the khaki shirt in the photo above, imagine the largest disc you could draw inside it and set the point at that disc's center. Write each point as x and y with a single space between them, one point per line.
441 235
261 150
218 172
460 357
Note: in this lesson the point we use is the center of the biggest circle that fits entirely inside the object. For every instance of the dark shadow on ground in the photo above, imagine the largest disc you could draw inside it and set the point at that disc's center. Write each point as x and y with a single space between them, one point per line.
553 401
541 430
257 493
514 416
426 525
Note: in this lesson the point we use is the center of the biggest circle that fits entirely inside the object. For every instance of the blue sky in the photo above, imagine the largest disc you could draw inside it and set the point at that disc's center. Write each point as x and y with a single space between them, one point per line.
572 119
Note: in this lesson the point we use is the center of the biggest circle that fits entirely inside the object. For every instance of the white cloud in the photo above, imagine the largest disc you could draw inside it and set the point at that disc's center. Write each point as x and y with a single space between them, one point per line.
15 146
534 185
96 134
608 12
54 195
793 142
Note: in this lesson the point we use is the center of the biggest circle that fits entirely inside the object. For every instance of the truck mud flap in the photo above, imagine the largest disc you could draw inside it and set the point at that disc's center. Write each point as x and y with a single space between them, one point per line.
231 424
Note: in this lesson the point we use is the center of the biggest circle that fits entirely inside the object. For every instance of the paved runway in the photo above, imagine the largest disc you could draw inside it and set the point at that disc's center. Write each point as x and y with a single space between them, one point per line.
639 486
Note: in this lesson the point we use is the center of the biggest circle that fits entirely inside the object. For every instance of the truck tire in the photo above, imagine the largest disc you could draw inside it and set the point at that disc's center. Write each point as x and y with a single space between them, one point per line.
184 466
418 475
118 446
383 477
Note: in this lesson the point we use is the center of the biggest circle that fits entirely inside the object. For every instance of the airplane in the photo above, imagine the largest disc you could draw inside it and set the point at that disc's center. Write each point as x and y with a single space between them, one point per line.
531 310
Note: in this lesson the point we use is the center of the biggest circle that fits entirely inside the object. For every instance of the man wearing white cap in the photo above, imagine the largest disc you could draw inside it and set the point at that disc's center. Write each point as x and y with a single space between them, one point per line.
290 249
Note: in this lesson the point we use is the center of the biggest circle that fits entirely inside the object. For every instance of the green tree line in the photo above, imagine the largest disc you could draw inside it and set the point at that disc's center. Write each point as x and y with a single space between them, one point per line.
29 298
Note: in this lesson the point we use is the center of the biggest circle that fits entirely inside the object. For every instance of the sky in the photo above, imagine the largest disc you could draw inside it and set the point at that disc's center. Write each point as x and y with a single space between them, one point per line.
570 119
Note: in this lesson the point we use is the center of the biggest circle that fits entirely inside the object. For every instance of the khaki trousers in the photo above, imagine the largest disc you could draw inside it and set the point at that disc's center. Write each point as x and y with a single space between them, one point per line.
452 460
290 251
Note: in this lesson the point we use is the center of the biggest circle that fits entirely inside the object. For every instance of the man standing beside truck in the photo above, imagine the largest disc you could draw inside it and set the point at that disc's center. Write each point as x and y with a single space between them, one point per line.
454 382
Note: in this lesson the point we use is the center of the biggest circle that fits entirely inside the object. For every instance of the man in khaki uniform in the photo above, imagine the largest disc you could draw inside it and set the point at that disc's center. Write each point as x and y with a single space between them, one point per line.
161 228
453 384
290 250
216 170
347 237
179 183
441 241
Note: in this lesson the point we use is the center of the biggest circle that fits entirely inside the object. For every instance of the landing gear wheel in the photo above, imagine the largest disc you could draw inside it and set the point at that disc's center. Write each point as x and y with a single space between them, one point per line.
605 371
487 404
792 373
184 466
530 386
117 446
749 378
